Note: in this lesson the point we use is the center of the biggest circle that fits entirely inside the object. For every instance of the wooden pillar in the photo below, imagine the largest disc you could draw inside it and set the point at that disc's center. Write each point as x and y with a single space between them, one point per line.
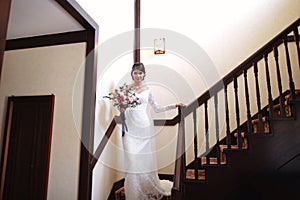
89 100
4 16
137 31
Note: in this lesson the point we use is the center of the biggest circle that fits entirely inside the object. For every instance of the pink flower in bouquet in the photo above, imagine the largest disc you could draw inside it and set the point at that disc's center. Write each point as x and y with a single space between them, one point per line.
123 98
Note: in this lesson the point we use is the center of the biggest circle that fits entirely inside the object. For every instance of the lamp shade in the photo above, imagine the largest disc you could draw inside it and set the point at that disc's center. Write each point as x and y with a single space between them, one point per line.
159 46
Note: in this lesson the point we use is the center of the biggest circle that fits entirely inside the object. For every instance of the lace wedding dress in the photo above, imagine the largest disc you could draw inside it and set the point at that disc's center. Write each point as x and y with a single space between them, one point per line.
141 180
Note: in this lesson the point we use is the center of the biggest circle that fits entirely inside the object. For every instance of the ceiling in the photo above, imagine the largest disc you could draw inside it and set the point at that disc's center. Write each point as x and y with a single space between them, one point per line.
39 17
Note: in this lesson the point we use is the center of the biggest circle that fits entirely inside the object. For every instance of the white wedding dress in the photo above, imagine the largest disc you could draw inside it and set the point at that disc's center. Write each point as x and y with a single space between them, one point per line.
141 180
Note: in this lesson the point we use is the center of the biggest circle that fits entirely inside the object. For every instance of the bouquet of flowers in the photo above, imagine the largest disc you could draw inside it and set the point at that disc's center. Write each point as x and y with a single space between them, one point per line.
124 97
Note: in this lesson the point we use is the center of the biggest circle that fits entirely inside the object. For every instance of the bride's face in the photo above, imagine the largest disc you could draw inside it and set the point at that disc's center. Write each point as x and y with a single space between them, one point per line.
138 76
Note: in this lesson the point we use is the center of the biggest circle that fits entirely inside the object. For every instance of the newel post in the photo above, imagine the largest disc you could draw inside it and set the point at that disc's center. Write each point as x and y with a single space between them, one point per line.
178 189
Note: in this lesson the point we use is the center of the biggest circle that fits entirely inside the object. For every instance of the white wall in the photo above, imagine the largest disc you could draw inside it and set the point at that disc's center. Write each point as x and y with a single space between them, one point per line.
229 31
44 71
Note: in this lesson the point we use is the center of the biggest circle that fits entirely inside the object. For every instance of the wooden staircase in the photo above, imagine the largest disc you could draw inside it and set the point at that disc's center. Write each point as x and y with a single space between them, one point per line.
258 155
259 158
267 167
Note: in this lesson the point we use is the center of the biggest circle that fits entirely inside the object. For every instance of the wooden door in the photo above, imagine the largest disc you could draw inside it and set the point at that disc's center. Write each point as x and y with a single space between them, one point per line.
26 148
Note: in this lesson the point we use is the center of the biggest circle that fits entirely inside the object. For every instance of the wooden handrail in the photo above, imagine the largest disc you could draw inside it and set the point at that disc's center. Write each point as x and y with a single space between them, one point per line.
104 141
167 122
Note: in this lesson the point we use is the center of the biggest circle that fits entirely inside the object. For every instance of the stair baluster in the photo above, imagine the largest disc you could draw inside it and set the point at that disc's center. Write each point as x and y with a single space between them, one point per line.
270 98
249 124
206 130
281 97
289 68
217 127
228 137
296 36
237 113
196 160
260 123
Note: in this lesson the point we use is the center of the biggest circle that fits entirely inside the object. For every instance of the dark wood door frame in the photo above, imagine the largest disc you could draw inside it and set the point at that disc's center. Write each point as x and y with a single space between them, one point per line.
4 17
26 149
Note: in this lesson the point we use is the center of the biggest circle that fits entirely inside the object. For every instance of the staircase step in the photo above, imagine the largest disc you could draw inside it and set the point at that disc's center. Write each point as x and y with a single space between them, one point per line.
222 147
287 105
212 161
265 124
277 110
234 147
287 110
244 141
297 96
190 174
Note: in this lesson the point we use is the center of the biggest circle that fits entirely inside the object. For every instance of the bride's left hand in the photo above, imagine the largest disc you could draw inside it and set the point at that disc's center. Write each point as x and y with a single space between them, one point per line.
179 104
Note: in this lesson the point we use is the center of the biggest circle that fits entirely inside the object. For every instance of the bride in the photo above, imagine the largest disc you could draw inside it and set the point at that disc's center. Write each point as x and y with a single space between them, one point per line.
141 180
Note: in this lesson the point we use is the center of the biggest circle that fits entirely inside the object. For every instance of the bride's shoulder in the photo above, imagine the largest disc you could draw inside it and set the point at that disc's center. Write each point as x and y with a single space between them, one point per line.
144 88
147 87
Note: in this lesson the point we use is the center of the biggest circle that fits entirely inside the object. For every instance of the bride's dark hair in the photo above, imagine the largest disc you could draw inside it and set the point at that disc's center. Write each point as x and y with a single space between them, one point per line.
139 66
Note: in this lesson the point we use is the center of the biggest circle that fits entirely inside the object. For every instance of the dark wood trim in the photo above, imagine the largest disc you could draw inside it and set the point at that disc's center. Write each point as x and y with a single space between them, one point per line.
180 163
103 143
137 31
167 122
4 153
50 141
78 13
46 40
4 17
89 104
117 185
88 119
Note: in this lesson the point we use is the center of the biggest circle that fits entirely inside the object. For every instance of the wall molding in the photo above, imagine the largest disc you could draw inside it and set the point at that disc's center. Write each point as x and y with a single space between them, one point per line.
46 40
